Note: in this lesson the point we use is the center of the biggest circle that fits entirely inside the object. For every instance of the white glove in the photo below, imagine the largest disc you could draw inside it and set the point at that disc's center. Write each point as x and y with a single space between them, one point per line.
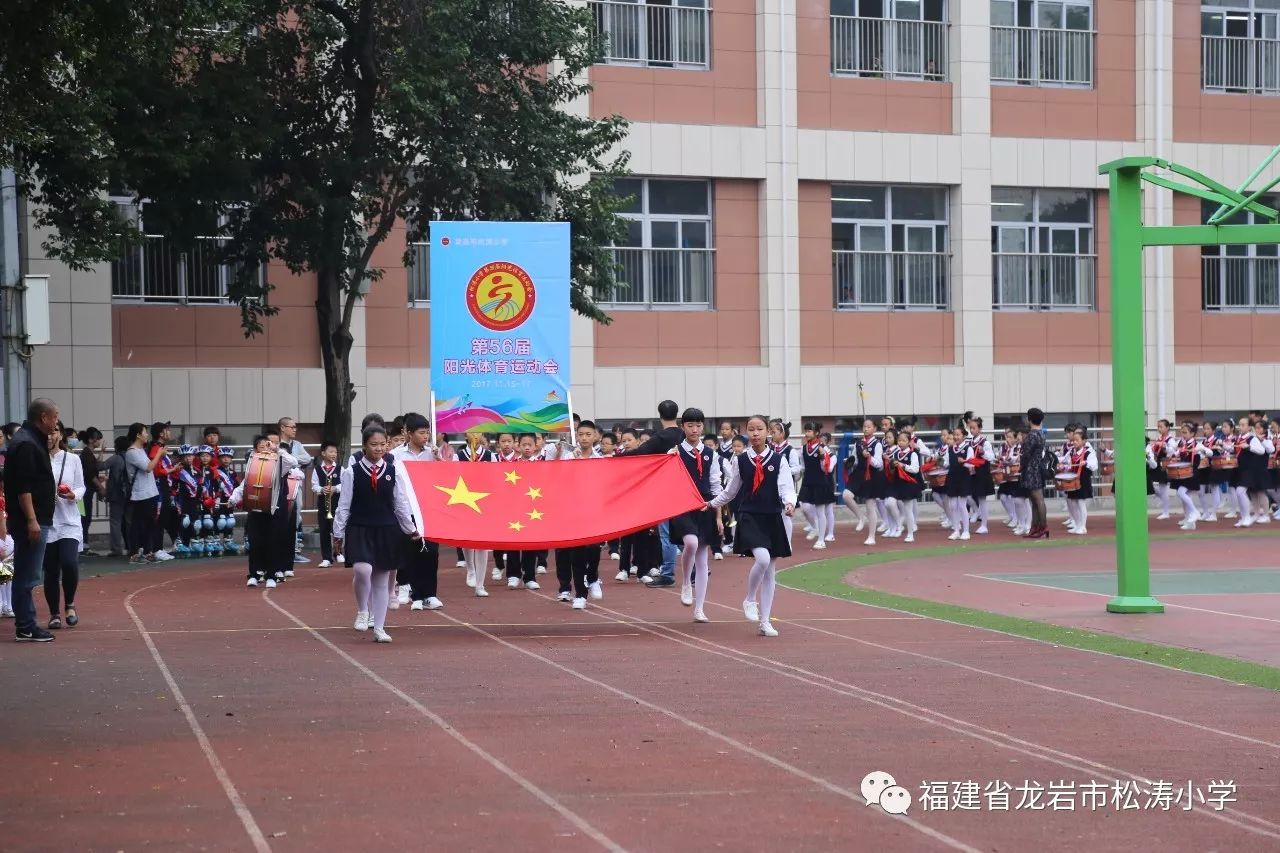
6 548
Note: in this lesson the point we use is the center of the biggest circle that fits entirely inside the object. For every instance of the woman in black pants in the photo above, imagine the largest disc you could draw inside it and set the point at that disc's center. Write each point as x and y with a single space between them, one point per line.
141 517
62 553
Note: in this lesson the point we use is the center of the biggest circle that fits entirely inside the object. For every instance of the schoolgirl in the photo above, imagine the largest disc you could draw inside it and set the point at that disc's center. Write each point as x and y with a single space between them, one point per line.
1157 476
1188 450
1068 448
695 532
770 497
958 486
1254 480
905 482
475 559
1080 460
373 517
939 462
1004 491
816 492
851 495
1273 469
872 484
979 454
1020 498
780 439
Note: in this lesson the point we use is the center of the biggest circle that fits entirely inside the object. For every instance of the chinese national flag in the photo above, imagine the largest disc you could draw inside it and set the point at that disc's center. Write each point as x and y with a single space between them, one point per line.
532 506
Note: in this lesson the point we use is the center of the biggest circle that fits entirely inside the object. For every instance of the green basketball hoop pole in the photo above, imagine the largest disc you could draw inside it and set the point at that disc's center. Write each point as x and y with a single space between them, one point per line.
1128 392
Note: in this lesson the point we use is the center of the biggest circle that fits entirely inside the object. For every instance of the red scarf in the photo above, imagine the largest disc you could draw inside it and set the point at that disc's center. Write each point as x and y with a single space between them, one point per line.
758 476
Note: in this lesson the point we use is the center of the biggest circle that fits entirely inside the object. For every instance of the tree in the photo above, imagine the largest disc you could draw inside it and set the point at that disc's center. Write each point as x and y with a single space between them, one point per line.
305 131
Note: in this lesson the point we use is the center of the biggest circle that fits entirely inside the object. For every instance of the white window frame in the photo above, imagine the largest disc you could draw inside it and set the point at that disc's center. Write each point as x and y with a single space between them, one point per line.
1231 63
655 261
632 28
1245 267
875 43
1037 257
1029 42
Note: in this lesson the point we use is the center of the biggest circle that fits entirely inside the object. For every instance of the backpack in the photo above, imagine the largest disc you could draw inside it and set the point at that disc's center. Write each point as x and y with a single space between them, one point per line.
119 486
1049 464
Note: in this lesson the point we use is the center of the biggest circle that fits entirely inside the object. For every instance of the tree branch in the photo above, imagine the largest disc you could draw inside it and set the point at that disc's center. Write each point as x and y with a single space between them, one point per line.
335 9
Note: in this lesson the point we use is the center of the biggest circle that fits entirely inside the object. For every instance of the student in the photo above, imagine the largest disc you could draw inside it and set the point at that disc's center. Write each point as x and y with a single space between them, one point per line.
816 493
958 486
372 520
695 532
978 459
62 553
269 533
905 483
1189 450
522 566
633 548
869 477
326 485
187 492
1083 462
476 559
143 495
422 558
225 482
584 560
770 496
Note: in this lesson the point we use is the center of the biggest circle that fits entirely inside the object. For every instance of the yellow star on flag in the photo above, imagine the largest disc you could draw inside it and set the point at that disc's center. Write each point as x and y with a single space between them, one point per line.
535 516
534 494
515 525
462 494
512 477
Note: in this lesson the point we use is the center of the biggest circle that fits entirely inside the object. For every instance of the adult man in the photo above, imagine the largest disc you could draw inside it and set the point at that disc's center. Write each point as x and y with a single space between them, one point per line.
290 444
1033 473
28 494
664 441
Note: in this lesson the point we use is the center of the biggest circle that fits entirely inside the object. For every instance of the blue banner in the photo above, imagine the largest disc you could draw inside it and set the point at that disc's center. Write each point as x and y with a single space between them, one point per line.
500 326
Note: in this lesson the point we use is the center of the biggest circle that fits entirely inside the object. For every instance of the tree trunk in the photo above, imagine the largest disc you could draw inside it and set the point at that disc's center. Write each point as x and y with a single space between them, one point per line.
335 356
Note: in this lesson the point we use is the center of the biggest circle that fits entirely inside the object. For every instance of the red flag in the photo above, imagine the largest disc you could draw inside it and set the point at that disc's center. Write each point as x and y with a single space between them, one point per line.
544 505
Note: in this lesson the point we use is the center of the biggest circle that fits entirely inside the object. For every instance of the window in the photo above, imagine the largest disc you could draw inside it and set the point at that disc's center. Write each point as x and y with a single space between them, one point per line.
1240 46
1042 42
417 267
1240 278
894 39
667 257
1042 246
655 33
159 269
889 247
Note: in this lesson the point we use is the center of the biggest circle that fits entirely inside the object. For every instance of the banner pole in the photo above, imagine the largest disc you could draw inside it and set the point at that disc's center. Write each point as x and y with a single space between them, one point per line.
568 399
435 439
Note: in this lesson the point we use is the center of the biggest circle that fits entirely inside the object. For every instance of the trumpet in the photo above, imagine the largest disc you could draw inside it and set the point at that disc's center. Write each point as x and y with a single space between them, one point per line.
328 503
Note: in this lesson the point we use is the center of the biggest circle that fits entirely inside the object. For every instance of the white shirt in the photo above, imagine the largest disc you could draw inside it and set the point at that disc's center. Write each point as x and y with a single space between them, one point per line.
67 471
399 501
405 452
316 487
717 475
786 488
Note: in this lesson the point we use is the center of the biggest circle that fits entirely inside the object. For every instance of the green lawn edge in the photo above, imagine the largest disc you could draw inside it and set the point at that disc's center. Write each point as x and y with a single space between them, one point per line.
827 577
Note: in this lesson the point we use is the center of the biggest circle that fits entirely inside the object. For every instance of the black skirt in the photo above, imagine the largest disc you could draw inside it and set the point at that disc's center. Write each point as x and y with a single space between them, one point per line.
818 492
761 530
696 523
980 483
381 547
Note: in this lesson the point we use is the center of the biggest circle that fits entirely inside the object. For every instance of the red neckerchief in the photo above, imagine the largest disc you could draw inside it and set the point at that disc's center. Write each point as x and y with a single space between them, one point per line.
867 445
812 448
696 453
758 476
1078 457
375 473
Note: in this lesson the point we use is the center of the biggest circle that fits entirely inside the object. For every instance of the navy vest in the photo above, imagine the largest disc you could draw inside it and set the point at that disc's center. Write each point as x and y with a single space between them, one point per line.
765 499
690 460
370 508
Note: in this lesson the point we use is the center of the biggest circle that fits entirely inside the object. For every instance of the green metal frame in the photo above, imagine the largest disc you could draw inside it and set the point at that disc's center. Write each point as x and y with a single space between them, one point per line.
1128 238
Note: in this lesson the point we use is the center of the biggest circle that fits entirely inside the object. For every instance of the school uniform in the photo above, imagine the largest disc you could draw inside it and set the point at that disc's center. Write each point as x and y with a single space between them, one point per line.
325 475
374 514
1254 476
270 534
188 491
980 456
905 478
1083 462
958 476
870 479
816 487
765 481
703 467
522 565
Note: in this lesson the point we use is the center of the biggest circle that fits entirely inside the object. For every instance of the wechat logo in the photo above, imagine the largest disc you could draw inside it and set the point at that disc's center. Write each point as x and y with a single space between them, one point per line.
881 789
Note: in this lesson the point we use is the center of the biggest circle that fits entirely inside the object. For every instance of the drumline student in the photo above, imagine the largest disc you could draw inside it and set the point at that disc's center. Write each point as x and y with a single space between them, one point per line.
1254 450
770 497
980 455
372 520
1188 450
270 534
1081 461
695 531
957 460
816 493
1157 476
867 475
905 482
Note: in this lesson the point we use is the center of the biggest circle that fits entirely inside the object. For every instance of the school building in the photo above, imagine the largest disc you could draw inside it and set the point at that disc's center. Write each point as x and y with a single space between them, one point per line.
894 195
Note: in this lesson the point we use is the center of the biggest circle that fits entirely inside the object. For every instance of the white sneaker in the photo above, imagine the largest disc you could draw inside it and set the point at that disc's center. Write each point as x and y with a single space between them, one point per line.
579 604
686 595
808 528
831 537
339 559
955 534
1231 513
380 636
982 531
870 540
252 582
964 537
1162 516
471 577
751 610
288 573
1247 521
1078 531
403 593
163 556
716 555
532 585
362 620
596 591
513 583
811 534
635 571
495 575
910 538
1265 518
565 596
541 570
393 604
819 545
621 576
726 548
7 612
653 573
323 564
481 592
767 630
271 583
456 565
434 603
699 616
417 605
1211 517
881 527
945 523
614 556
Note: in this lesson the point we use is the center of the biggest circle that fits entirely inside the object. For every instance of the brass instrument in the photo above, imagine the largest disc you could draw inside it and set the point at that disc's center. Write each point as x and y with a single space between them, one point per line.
328 500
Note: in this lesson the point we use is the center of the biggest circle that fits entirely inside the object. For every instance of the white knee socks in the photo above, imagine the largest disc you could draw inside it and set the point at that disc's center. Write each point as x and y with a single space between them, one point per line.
768 584
830 512
701 578
362 584
381 597
687 557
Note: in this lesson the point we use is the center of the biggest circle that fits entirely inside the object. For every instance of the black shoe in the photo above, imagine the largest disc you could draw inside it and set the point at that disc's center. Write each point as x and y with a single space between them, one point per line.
661 581
35 635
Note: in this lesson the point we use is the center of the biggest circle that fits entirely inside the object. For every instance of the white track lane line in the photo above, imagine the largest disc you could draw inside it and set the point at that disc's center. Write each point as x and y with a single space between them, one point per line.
538 793
1259 826
237 802
853 796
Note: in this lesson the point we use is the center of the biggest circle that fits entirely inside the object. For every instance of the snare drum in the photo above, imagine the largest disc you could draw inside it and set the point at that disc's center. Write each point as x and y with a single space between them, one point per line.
1223 463
997 476
937 478
1273 462
259 482
1180 471
1067 482
1108 467
1013 471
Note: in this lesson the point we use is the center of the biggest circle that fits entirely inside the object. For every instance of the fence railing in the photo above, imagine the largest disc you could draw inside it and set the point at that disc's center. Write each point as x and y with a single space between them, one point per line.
1240 284
881 47
891 280
1036 57
655 277
159 270
1043 282
661 36
1232 64
419 273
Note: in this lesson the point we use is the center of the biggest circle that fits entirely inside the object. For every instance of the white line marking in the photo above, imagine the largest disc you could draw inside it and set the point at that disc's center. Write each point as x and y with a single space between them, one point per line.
545 798
242 811
853 796
918 712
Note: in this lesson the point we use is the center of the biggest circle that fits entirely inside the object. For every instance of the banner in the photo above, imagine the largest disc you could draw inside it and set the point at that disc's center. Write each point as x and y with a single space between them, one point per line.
500 326
532 506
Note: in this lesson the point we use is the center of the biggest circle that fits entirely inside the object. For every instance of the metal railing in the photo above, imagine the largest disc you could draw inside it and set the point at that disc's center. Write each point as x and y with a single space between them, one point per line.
887 48
1233 64
657 36
656 277
892 281
157 270
419 273
1035 282
1240 284
1030 56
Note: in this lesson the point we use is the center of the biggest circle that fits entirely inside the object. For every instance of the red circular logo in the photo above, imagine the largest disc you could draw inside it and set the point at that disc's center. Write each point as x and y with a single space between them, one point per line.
500 296
444 241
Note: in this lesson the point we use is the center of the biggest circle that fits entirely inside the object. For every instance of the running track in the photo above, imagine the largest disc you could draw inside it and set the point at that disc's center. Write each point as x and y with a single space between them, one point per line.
189 712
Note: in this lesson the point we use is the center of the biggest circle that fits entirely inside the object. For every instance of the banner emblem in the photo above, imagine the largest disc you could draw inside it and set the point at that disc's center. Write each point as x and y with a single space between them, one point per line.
500 296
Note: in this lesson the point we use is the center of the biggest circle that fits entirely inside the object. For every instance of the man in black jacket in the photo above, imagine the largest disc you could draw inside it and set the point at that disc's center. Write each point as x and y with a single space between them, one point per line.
28 495
663 441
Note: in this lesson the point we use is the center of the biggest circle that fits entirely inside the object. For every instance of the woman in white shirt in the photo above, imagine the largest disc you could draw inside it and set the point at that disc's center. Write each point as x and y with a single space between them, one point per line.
62 551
